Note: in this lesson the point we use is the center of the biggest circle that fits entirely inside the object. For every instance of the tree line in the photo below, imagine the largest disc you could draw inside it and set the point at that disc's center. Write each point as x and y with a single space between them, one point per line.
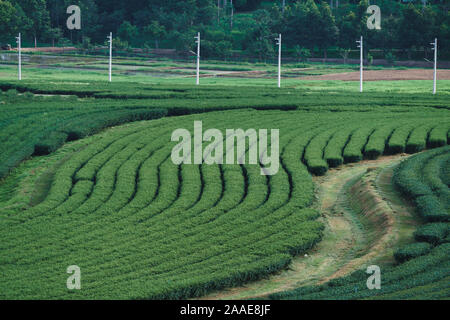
248 26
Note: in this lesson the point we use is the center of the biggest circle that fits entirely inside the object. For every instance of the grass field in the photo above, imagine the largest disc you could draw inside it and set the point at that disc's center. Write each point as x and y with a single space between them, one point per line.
87 180
167 72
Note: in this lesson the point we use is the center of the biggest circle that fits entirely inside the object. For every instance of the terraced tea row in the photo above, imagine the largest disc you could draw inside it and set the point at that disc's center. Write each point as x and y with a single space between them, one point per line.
141 227
39 125
423 269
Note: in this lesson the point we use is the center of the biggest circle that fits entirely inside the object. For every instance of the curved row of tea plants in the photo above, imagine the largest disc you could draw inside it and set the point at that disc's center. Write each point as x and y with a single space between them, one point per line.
423 270
139 226
40 124
419 179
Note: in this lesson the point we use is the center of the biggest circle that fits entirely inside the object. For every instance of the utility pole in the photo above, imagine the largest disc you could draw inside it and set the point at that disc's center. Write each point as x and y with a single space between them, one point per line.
435 48
110 40
232 14
19 48
279 59
218 11
198 57
361 64
284 5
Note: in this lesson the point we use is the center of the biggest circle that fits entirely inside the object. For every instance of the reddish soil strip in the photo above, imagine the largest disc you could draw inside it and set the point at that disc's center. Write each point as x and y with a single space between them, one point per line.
48 49
377 75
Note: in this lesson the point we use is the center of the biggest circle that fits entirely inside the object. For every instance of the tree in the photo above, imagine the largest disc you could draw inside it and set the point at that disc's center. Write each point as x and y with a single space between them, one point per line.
411 29
328 30
37 22
224 49
8 21
443 28
184 41
313 20
302 54
261 40
349 25
344 53
56 35
155 31
127 32
295 26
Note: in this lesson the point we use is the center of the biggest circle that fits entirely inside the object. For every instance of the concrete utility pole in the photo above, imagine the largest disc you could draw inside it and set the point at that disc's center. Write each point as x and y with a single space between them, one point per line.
19 49
435 48
110 40
284 5
218 11
361 64
198 57
232 14
279 59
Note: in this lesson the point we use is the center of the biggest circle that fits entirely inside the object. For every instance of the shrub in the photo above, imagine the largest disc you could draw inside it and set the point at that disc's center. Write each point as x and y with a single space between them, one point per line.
433 233
411 251
431 209
390 58
50 143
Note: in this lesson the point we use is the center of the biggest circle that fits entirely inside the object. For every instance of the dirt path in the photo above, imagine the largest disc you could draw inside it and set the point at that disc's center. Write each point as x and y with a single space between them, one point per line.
377 75
354 234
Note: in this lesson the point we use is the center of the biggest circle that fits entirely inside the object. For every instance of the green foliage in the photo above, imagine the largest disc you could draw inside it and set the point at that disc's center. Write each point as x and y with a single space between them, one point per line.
398 282
412 251
431 209
201 227
372 135
390 57
302 54
124 211
260 42
424 190
9 22
155 31
377 141
434 233
127 31
310 24
422 270
50 144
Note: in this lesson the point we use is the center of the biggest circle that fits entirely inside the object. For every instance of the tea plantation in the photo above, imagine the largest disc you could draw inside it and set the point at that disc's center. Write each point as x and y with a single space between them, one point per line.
140 227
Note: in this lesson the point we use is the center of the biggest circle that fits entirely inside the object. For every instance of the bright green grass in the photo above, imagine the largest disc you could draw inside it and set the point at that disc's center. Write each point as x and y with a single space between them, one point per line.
417 86
162 71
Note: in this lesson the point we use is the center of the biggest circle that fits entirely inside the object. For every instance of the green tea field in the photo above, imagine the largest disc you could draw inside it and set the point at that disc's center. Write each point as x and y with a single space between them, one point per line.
87 179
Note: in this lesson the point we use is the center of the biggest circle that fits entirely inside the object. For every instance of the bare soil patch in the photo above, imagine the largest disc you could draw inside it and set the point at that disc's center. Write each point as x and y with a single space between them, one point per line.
379 75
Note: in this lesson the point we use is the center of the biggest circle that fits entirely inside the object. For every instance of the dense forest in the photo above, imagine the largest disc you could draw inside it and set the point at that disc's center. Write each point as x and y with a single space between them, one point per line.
248 26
